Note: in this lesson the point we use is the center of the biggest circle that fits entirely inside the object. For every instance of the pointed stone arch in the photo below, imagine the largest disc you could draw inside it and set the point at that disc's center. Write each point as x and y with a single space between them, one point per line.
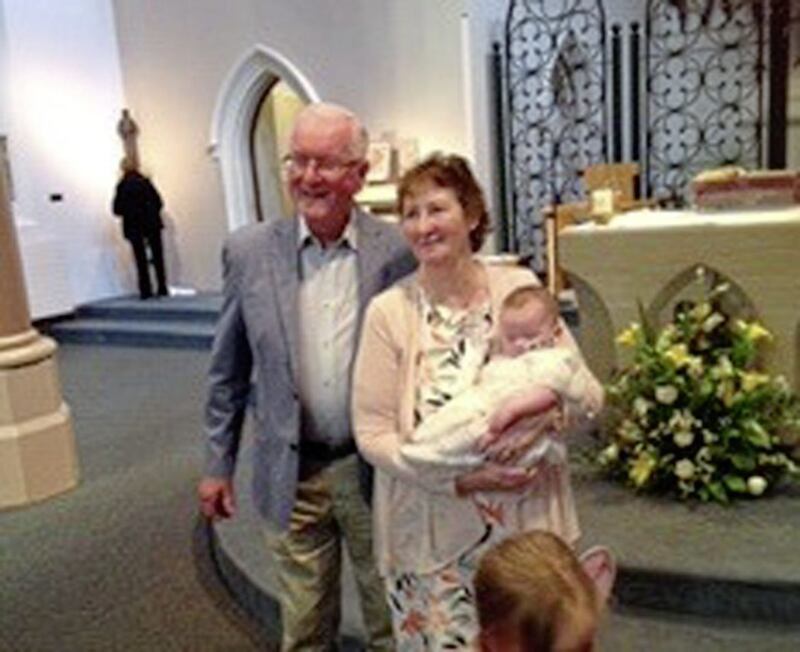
693 284
235 109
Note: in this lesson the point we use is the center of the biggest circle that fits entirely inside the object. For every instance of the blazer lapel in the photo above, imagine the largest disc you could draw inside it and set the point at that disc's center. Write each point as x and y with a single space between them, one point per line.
286 278
370 260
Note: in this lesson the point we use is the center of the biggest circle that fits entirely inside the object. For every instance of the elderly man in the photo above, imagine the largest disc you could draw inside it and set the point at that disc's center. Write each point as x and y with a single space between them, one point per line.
294 295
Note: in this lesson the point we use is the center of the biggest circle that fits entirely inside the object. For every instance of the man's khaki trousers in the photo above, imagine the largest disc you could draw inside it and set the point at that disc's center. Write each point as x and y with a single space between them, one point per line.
329 509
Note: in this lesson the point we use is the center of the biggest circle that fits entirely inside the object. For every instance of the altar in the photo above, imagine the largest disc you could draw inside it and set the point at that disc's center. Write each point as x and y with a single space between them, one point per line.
653 256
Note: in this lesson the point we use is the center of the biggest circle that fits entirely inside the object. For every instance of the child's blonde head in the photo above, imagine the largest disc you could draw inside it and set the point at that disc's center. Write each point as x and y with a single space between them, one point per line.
533 594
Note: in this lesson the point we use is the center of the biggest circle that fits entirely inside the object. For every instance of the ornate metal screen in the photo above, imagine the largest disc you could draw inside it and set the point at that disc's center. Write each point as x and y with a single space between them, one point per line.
705 82
555 54
678 87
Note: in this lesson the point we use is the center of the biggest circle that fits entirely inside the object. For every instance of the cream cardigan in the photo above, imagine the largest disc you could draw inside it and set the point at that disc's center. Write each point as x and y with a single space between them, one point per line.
420 524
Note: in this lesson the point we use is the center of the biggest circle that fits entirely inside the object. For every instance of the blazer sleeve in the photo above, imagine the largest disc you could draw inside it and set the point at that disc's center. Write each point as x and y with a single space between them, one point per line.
228 377
378 383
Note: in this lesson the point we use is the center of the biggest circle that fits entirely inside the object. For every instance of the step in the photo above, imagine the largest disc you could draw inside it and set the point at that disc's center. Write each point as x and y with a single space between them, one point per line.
202 307
737 563
143 333
728 575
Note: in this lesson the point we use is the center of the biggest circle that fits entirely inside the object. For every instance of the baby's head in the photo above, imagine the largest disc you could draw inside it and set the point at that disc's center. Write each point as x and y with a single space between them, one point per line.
528 320
534 595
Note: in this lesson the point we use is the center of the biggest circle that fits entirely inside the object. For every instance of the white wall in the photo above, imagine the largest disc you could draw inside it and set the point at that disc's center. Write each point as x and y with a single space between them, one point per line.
63 88
397 64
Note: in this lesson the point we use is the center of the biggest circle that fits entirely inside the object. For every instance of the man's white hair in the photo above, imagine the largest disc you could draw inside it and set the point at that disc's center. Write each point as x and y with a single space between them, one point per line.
359 138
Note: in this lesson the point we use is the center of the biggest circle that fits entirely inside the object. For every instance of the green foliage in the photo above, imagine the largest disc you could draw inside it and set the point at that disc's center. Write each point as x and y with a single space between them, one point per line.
692 416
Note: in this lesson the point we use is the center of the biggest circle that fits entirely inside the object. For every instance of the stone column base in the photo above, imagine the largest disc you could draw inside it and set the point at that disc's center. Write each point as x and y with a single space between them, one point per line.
37 446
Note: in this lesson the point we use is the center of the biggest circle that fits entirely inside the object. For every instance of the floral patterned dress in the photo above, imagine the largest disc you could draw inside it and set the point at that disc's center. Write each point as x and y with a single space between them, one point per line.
436 611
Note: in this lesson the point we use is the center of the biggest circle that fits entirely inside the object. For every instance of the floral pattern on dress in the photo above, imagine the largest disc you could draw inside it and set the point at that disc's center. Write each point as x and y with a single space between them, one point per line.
436 611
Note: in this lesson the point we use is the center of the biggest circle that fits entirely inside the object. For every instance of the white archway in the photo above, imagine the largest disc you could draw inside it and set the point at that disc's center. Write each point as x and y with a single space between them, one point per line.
234 112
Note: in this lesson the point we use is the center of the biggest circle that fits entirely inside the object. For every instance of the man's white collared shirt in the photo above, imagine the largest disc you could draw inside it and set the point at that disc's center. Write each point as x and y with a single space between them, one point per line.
328 311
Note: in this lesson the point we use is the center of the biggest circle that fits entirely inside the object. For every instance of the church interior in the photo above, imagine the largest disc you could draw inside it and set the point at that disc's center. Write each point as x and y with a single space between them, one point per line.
636 154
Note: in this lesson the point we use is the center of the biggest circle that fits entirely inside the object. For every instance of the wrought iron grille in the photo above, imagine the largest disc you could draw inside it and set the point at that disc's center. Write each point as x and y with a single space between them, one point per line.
680 86
705 82
555 86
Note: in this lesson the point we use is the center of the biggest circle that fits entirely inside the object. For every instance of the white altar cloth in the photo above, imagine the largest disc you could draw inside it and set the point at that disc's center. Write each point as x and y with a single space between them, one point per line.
642 255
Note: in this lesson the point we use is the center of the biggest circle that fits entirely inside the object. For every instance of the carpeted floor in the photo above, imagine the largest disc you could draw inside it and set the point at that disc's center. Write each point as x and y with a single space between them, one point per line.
119 563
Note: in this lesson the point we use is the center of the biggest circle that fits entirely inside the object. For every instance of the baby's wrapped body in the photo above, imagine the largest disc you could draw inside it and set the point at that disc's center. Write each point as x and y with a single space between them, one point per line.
449 436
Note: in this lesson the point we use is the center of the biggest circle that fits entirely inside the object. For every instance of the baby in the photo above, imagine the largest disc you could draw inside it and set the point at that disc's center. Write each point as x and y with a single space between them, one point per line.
526 364
534 595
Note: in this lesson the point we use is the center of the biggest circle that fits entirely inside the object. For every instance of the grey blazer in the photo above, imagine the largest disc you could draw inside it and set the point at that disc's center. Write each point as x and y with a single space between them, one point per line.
254 357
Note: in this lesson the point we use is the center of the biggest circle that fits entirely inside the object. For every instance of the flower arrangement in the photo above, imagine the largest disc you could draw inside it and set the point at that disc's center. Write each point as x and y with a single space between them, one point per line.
693 416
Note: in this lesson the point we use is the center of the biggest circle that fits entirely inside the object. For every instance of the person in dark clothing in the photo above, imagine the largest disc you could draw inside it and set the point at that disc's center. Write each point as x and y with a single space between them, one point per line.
137 201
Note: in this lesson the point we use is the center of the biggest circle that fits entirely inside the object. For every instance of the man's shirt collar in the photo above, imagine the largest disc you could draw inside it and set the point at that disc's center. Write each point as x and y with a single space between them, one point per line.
349 237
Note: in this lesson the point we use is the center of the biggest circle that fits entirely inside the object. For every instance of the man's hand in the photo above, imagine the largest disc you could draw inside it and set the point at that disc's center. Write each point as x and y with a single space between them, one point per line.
494 477
217 498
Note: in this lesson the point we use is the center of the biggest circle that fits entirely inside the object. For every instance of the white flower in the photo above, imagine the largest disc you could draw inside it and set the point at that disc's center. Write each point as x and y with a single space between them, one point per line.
629 432
640 406
695 366
681 421
714 320
683 439
703 455
756 485
684 469
666 394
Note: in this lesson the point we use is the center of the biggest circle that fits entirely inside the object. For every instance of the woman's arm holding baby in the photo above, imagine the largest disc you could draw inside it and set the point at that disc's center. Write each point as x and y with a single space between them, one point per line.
568 399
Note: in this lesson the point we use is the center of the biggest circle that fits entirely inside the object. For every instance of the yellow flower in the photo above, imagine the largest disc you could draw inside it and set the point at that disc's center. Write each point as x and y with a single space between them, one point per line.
753 331
642 469
695 366
726 392
723 368
666 337
609 454
630 336
700 311
753 379
678 355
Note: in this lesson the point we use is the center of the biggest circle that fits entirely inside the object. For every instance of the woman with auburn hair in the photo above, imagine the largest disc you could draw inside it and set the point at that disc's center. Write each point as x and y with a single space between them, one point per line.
423 341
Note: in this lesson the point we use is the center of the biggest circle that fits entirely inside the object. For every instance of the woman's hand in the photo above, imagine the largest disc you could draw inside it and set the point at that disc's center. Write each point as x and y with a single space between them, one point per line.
516 425
494 477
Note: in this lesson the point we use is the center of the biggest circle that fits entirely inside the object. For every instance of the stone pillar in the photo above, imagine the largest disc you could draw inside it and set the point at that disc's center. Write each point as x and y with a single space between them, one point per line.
37 446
